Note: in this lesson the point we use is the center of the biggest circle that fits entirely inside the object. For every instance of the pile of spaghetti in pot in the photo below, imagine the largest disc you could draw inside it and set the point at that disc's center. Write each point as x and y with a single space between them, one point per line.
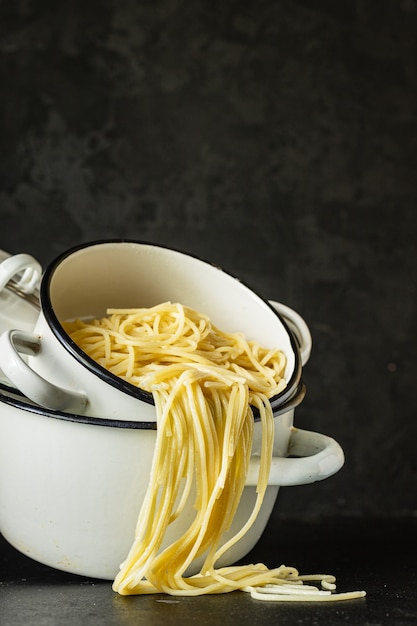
206 384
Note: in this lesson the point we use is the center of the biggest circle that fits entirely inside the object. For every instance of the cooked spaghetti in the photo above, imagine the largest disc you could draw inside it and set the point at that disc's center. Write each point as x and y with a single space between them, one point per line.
206 384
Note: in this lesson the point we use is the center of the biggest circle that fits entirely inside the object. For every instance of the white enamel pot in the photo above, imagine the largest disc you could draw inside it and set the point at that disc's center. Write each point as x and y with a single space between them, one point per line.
47 367
71 486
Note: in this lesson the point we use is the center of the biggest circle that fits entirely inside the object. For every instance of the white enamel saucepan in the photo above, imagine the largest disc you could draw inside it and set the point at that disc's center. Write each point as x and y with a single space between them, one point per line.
71 486
85 281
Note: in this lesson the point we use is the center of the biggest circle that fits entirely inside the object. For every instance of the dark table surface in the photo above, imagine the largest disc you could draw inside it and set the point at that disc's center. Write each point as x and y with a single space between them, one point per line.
376 555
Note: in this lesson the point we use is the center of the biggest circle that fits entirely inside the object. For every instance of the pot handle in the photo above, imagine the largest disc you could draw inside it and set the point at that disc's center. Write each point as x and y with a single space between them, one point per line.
13 343
25 264
297 326
319 457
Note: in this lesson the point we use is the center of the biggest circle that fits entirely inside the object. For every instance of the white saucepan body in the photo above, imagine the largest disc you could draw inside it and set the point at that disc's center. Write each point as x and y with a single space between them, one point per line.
71 486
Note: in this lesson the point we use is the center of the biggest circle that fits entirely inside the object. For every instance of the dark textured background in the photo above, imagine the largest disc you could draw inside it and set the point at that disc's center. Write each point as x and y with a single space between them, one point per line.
276 139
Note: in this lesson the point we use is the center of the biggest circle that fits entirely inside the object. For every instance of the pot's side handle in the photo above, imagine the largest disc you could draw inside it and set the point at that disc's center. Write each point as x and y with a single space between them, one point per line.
13 343
312 457
27 266
298 327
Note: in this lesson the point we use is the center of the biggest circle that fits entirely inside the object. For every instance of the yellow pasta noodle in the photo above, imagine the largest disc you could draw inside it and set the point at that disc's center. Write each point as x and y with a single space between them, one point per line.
206 384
